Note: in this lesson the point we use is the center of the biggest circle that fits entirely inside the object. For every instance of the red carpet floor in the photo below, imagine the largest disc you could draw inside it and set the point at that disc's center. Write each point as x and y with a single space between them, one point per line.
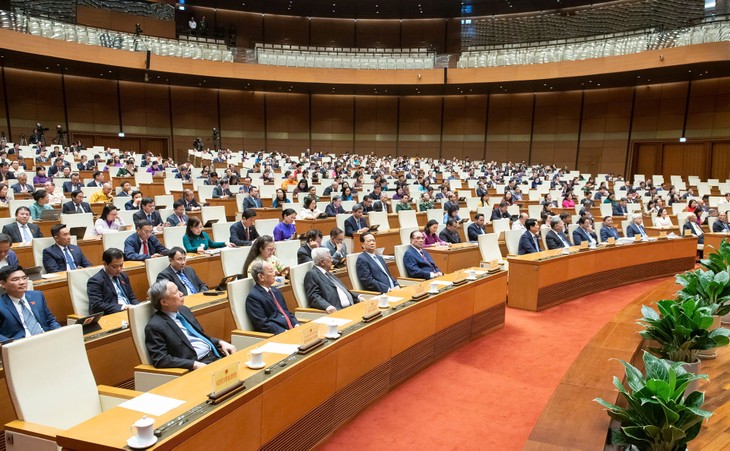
489 393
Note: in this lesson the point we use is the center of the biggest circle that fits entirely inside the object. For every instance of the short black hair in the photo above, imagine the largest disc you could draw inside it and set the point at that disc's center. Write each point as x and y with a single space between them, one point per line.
111 254
362 237
248 214
39 194
177 204
143 222
21 208
174 251
147 201
6 271
56 229
287 212
530 223
76 193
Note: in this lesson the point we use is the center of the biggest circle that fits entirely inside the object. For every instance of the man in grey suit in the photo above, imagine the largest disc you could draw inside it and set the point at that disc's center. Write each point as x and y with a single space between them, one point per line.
22 231
337 247
325 291
180 274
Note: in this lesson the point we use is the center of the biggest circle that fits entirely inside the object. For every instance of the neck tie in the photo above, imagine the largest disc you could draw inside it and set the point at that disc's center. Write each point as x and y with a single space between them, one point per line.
120 291
281 310
195 333
187 282
78 209
562 238
382 268
34 327
248 236
423 256
27 237
181 220
145 248
342 292
23 189
69 259
149 218
641 228
537 243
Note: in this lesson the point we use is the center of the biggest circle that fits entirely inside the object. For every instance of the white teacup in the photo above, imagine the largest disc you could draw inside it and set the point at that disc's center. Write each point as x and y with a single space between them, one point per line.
433 286
256 357
471 274
332 329
143 430
383 301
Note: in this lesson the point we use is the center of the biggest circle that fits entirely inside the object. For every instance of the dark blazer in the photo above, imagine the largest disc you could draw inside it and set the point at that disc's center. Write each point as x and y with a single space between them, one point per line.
373 279
190 205
250 202
133 247
632 230
351 225
264 315
70 207
13 231
218 192
55 261
169 274
474 231
129 205
554 241
619 210
416 266
18 186
497 214
175 221
238 234
580 235
103 295
167 344
700 238
95 184
719 226
69 187
140 215
11 327
449 237
304 254
331 211
322 292
609 232
12 258
527 244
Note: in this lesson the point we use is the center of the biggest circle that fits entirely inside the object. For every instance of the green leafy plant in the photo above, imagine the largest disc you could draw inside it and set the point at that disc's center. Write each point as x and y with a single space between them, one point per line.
658 416
710 288
681 329
719 260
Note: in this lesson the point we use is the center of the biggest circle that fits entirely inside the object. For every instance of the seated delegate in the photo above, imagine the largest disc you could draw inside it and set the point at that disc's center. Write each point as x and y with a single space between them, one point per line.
110 290
324 290
22 312
265 305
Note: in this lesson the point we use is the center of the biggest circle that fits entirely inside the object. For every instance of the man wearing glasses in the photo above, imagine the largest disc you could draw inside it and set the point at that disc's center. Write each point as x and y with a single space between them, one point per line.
22 313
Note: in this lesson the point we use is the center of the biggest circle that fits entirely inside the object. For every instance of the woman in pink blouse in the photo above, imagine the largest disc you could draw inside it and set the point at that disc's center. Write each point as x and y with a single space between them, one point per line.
568 201
431 234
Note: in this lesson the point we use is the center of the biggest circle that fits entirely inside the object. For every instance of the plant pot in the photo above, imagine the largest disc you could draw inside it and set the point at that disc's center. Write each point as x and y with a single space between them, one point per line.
693 368
710 353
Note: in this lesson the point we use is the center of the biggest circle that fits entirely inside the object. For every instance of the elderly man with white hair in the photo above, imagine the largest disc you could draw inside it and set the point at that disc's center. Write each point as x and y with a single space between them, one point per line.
694 228
636 227
55 197
324 290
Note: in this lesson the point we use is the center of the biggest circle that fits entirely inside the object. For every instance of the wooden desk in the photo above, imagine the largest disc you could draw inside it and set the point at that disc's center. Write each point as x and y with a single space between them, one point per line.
656 231
45 226
549 278
398 345
229 204
156 188
458 256
268 213
387 239
323 225
714 239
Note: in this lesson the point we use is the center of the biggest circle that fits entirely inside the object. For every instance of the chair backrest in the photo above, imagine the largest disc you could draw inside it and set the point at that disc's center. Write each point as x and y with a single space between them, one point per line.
500 225
710 222
435 214
154 266
606 210
543 237
39 368
624 225
265 226
237 293
77 280
14 204
80 220
489 247
218 212
407 218
115 239
139 316
165 200
286 251
512 240
405 234
127 216
222 231
380 218
173 236
352 270
296 276
172 184
571 229
232 259
400 251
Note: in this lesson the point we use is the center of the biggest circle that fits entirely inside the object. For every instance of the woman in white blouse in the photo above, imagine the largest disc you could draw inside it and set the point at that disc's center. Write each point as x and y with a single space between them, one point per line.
663 220
108 221
310 210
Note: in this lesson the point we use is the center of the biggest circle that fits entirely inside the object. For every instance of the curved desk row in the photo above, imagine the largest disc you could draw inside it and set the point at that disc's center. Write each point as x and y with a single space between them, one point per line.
299 404
548 278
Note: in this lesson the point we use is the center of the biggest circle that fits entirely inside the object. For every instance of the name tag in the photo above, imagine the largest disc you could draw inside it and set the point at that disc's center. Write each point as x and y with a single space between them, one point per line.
310 334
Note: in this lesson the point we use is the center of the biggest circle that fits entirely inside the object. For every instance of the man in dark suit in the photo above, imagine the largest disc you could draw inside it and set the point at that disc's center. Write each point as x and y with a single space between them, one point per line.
173 337
555 237
57 168
694 228
334 208
356 222
450 233
189 201
721 225
109 290
620 208
530 240
265 305
22 186
76 204
63 256
222 191
22 231
253 200
73 185
243 232
585 232
7 256
143 245
22 313
501 212
178 216
98 181
477 228
148 213
636 227
184 277
417 261
608 230
371 268
325 291
312 240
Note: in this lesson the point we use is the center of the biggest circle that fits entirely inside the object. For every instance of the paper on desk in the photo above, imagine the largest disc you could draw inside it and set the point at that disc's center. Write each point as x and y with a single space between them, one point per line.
51 276
327 320
152 404
279 348
441 282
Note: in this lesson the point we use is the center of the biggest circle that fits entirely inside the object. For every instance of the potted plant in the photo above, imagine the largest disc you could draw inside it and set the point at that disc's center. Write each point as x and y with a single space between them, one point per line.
718 260
658 415
710 287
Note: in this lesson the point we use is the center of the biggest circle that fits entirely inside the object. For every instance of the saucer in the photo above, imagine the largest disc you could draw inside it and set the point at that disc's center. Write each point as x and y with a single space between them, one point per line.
255 367
332 337
432 292
134 444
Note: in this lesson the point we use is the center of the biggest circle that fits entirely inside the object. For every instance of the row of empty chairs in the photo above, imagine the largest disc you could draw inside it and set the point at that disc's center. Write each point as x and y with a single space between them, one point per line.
383 62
